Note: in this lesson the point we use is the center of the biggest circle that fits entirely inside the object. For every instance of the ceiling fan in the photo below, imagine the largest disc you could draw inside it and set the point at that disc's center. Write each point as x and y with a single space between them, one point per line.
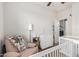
49 3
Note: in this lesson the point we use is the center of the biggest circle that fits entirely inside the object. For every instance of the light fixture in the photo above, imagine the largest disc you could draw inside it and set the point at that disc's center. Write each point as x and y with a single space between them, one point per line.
30 28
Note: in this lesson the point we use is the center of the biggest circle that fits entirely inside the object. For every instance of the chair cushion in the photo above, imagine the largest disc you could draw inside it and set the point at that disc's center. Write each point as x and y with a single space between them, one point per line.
31 45
11 54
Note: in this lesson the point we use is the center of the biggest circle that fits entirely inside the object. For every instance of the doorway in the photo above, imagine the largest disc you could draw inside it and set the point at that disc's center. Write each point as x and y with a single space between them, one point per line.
62 27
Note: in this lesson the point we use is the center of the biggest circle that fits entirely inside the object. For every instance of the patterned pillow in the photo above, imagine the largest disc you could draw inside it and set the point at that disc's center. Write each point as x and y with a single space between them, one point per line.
19 43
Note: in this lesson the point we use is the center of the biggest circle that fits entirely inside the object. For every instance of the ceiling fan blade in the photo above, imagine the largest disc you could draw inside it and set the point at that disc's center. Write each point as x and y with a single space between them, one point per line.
49 4
62 2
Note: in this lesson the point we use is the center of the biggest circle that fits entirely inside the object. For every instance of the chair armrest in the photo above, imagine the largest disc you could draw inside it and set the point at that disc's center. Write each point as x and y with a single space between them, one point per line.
31 45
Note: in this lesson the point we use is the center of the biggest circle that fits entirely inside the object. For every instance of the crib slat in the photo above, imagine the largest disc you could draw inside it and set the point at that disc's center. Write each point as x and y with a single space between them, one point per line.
57 53
54 53
51 54
45 55
61 54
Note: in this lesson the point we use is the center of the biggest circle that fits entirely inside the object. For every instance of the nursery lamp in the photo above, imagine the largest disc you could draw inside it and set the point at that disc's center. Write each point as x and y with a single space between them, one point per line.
30 28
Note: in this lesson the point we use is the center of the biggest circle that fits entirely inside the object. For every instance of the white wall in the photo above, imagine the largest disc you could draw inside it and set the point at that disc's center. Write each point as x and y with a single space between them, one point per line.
19 15
72 27
1 25
1 21
65 14
75 19
56 23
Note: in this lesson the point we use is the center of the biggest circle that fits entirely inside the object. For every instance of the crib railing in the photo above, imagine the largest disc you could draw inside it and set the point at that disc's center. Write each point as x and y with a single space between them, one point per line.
51 52
67 47
71 48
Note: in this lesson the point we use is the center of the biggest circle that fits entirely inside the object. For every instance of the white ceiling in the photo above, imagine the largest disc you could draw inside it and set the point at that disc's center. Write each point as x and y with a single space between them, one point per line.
57 6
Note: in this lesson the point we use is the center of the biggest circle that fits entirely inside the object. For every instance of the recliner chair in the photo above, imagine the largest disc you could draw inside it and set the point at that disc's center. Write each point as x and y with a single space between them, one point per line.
11 51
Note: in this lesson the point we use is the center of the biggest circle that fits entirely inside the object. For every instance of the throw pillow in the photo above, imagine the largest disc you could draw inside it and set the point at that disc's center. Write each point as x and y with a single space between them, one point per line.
19 43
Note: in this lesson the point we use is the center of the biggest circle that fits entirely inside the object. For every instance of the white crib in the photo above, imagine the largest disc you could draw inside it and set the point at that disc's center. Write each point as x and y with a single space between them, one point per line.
66 48
51 52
